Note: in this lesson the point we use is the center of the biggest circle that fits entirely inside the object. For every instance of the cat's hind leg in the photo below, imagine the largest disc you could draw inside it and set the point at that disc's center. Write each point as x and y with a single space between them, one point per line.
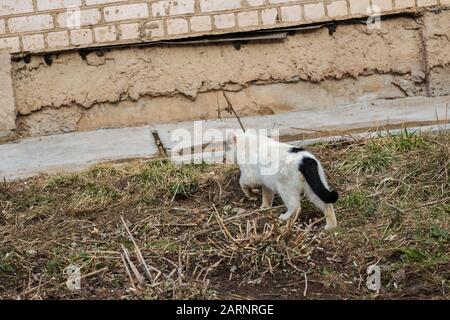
267 198
291 199
326 208
330 217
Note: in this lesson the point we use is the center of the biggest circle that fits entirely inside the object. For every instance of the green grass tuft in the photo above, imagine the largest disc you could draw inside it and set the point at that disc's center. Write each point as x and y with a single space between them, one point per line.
371 158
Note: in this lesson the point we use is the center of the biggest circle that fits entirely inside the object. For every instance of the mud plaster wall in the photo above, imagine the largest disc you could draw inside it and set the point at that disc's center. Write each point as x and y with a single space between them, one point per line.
437 41
408 56
7 108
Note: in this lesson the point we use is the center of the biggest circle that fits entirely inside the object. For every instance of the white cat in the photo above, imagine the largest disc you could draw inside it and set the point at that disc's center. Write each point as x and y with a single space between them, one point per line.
293 172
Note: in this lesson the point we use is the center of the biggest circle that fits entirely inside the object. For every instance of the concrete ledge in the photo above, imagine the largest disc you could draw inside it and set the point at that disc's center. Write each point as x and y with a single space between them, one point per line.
327 122
76 151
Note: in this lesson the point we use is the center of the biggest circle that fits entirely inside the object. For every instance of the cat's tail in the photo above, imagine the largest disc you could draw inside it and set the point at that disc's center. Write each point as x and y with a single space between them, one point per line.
309 167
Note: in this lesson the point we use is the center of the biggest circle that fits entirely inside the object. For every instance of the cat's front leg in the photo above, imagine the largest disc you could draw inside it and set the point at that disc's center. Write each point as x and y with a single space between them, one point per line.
291 199
286 216
248 193
267 198
246 184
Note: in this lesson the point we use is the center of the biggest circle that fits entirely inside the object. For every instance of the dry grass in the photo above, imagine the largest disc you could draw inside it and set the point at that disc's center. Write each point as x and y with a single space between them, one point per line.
199 240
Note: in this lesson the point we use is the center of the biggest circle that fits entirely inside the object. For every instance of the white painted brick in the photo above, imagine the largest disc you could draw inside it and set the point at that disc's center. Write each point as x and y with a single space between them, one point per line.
425 3
281 1
173 7
8 7
160 8
122 10
177 26
359 6
255 3
43 5
384 5
402 4
126 11
129 31
225 21
81 37
30 23
87 18
219 5
337 9
95 2
291 13
181 7
11 43
201 23
105 34
153 29
58 39
269 16
33 42
248 18
314 11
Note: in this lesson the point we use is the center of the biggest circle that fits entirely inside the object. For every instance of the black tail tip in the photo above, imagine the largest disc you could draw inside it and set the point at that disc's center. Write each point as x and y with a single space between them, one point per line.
333 197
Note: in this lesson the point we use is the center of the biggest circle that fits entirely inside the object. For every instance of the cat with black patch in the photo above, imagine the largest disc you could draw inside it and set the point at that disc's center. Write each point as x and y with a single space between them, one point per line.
298 172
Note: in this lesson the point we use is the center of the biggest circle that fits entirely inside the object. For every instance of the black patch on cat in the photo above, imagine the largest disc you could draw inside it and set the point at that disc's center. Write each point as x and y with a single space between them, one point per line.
296 150
310 170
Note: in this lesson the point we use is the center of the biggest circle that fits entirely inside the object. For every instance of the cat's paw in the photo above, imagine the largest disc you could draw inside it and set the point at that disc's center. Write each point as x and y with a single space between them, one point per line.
265 206
245 199
330 227
284 217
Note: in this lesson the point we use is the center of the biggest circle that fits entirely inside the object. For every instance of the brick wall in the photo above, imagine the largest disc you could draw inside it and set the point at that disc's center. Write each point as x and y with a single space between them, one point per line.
53 25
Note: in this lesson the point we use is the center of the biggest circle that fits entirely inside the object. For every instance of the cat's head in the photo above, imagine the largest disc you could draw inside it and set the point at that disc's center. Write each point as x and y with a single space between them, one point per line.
232 138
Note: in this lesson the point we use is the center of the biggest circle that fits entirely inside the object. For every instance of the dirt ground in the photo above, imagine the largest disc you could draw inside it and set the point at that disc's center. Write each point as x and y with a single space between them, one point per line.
200 240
